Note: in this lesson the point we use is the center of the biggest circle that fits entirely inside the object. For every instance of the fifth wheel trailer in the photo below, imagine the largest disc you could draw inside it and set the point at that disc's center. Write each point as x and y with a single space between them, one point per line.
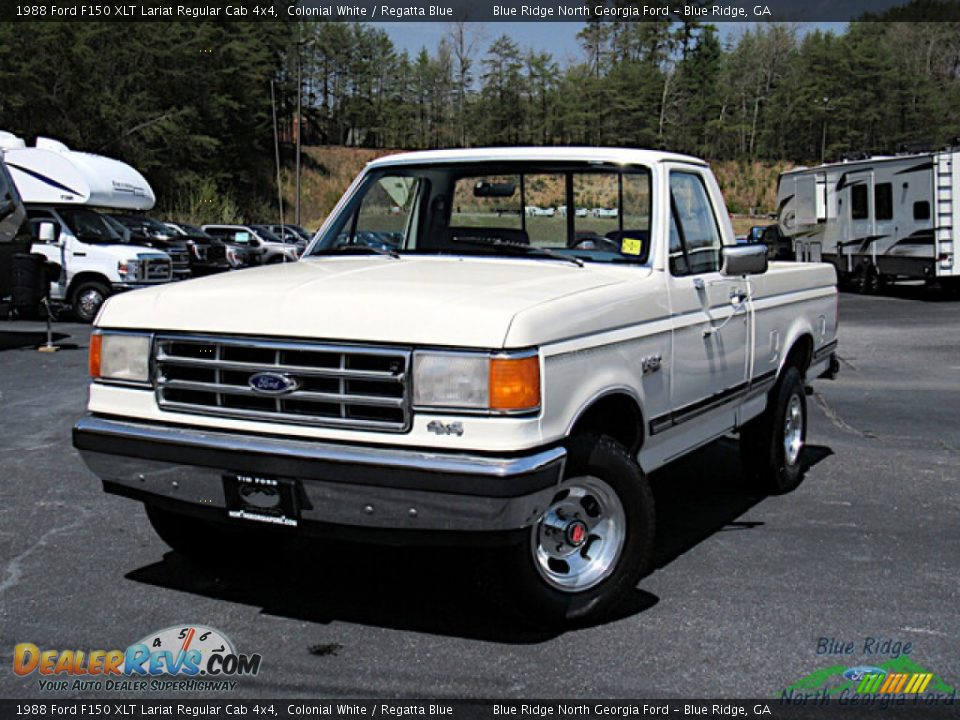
878 219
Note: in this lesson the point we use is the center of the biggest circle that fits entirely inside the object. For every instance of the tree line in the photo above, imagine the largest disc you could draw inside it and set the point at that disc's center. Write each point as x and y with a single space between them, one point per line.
190 103
772 93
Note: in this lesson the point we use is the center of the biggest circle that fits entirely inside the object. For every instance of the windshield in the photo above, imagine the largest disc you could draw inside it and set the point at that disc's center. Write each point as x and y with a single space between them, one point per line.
145 226
593 212
264 232
90 226
194 231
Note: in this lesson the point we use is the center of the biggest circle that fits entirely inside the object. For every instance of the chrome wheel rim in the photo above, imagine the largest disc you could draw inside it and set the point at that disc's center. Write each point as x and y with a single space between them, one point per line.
89 302
793 431
579 539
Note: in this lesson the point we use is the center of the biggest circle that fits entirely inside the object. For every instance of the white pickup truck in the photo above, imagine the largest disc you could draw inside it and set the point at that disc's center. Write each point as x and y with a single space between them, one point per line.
470 375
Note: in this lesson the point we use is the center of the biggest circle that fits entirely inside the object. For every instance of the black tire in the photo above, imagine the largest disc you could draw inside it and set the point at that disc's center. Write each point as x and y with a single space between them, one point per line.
768 467
866 279
590 458
88 298
212 543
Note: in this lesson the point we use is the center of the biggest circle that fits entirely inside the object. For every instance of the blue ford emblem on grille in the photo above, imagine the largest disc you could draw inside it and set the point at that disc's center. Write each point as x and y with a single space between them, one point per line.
272 383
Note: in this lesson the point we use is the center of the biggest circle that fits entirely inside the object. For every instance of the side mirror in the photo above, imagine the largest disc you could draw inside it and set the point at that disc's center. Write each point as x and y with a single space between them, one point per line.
47 233
744 259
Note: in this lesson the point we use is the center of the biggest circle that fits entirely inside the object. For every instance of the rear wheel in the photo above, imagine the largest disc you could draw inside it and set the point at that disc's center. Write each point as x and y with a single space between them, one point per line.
594 541
88 298
771 445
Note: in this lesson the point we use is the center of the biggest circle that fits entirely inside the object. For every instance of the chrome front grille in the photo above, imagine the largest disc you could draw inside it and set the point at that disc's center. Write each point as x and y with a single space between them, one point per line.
155 268
329 385
181 262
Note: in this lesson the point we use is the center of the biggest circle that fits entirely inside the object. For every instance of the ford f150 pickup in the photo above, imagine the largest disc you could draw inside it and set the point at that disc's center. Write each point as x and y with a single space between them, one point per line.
487 374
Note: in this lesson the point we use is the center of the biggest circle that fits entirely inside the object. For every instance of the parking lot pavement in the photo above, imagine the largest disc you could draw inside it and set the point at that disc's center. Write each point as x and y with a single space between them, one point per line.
744 590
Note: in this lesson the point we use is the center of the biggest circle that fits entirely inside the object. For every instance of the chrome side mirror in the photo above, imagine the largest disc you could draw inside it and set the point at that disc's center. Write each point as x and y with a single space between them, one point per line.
744 259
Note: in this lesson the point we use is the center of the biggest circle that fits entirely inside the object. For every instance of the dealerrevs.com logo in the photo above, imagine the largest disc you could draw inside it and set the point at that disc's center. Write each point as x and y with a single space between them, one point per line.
180 657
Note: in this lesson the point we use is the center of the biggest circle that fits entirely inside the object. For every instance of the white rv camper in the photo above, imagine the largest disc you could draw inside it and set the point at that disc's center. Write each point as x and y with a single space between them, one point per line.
60 188
877 219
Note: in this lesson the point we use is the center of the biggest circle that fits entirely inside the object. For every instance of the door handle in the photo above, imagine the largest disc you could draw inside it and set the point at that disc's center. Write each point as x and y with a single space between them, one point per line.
738 296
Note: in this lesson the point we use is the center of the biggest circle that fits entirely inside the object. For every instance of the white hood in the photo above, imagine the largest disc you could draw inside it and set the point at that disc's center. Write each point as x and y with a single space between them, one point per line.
450 301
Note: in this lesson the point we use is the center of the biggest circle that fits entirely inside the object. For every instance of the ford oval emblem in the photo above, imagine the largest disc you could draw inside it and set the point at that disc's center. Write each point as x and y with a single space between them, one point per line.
271 383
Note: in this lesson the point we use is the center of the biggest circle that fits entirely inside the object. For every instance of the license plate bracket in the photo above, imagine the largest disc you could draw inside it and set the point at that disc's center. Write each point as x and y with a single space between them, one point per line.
262 499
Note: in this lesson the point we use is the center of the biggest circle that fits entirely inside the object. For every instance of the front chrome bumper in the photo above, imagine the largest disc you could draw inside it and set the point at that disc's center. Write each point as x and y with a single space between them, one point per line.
369 486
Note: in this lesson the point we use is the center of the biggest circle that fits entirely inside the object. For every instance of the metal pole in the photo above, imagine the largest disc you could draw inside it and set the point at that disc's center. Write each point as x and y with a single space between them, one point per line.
49 346
276 149
823 139
299 121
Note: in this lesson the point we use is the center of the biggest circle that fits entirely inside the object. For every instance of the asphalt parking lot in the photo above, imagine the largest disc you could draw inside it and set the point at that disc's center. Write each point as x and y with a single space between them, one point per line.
744 590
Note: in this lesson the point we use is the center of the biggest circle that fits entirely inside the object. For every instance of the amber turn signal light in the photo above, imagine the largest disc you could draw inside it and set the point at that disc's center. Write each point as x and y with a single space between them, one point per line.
96 345
515 383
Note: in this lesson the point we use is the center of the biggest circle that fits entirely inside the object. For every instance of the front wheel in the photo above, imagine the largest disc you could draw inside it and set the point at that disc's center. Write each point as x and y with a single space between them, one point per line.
771 444
593 542
88 298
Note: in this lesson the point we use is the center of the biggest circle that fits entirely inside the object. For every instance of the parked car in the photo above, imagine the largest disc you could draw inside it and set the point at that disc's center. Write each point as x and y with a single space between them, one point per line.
606 212
466 386
778 246
290 232
263 246
534 211
189 257
218 254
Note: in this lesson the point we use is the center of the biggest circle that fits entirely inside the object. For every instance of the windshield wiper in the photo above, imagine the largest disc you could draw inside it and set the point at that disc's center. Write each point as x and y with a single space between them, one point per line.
496 242
358 249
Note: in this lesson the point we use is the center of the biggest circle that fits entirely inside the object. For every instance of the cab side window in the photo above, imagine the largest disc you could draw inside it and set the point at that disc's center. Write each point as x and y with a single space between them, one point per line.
694 234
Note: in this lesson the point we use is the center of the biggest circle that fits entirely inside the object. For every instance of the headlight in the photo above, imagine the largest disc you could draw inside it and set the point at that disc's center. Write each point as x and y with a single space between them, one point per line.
120 356
128 269
475 381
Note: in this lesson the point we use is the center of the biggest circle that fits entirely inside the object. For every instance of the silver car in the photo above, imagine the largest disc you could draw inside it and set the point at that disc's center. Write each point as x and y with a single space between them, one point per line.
265 247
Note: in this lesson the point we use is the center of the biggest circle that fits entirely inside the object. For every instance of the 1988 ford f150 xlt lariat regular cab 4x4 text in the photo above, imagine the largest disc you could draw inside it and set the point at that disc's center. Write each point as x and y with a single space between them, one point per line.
441 363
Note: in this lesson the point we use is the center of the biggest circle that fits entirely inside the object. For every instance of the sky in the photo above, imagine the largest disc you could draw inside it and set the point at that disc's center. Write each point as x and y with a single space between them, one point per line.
557 38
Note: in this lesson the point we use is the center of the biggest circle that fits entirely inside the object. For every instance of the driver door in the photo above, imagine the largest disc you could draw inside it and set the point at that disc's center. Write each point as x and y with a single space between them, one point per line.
709 315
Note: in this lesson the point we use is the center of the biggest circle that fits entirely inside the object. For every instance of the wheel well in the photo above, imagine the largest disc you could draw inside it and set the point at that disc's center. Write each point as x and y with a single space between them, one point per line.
83 277
801 353
617 416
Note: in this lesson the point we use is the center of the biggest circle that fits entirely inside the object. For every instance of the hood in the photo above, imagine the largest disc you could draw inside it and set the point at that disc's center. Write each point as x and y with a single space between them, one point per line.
122 251
158 243
446 301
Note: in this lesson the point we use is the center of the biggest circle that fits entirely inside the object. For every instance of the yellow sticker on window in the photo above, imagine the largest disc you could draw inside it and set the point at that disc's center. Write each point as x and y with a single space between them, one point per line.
631 246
